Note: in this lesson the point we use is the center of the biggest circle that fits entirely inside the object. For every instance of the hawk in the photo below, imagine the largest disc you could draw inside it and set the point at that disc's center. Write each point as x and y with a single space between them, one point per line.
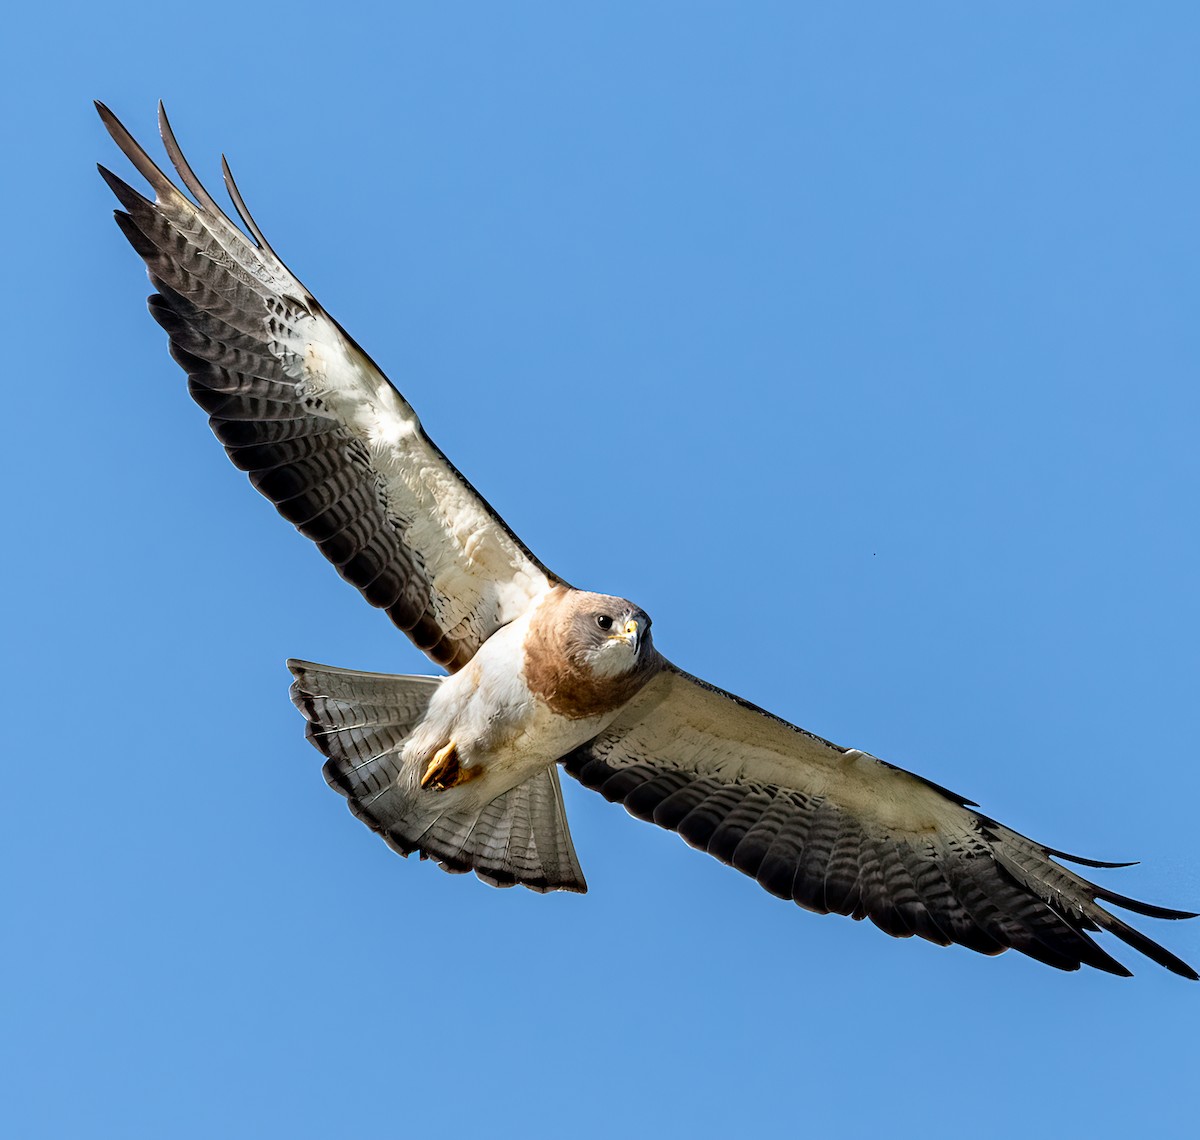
463 769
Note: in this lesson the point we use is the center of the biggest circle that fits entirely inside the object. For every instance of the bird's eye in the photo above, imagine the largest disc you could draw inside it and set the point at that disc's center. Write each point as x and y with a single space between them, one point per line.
604 621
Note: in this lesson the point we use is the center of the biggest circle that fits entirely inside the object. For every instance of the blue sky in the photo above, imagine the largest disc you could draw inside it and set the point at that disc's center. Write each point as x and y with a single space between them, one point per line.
857 345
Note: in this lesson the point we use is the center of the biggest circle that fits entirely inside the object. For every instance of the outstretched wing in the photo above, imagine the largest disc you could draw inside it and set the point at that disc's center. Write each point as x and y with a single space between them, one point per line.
839 831
316 425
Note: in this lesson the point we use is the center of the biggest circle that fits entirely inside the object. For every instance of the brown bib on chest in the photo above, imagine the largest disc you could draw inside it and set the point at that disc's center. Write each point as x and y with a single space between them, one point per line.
556 676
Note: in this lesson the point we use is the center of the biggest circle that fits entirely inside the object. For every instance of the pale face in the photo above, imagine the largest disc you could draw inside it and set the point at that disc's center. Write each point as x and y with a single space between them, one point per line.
609 635
587 654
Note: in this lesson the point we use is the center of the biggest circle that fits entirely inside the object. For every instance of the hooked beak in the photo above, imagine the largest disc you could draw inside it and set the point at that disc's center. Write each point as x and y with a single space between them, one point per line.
631 634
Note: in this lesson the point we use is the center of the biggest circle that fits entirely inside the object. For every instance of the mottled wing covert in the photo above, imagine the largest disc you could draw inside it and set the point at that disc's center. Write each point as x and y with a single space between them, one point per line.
315 424
837 830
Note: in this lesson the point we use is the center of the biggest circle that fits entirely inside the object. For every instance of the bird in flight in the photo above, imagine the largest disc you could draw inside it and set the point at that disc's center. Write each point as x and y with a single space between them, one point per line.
463 768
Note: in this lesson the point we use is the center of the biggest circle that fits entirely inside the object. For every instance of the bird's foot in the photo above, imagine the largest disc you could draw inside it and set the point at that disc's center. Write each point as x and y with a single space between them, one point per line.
444 770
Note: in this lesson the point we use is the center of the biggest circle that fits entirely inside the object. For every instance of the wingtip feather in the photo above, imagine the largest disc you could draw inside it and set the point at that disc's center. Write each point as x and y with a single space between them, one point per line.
125 194
1149 910
132 149
182 166
1147 946
1085 862
239 204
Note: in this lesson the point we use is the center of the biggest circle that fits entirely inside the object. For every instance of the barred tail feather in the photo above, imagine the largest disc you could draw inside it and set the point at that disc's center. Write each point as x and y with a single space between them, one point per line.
360 722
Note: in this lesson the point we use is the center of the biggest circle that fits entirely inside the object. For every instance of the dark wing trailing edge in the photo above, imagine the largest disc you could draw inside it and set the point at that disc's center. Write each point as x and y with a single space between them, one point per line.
315 424
839 831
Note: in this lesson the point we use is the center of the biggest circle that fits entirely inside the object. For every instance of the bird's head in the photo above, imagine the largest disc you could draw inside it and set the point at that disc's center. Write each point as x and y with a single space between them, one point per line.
609 636
587 654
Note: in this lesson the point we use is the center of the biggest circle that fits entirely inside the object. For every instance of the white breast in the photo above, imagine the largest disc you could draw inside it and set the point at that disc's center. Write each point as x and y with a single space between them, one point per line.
497 724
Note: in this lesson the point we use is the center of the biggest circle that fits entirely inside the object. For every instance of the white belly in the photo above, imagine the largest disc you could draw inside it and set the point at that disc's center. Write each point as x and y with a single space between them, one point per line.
500 729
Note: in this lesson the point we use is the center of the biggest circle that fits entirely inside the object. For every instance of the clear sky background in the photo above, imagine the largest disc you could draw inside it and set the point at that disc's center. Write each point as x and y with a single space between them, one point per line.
858 344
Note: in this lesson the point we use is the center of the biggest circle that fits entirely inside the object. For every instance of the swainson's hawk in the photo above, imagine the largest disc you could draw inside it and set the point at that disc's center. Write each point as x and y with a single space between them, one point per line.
464 768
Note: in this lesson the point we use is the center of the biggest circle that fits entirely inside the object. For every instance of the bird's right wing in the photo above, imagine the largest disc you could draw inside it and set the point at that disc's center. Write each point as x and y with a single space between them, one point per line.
837 830
316 425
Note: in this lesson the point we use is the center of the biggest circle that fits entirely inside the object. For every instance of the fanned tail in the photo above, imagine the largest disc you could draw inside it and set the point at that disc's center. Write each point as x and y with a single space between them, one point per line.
360 722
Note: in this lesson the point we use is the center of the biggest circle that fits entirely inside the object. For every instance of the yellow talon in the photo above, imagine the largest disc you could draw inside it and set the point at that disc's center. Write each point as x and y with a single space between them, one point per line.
443 771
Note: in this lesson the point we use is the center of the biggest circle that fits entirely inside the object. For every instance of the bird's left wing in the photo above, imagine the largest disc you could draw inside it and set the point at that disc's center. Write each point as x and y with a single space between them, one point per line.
837 830
316 425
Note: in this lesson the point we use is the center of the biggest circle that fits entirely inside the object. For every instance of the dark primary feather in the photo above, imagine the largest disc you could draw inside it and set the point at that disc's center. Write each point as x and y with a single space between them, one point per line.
694 759
235 316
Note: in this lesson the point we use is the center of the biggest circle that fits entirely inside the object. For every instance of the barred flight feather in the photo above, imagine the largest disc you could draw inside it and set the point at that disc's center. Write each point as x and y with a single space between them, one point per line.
848 833
317 427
